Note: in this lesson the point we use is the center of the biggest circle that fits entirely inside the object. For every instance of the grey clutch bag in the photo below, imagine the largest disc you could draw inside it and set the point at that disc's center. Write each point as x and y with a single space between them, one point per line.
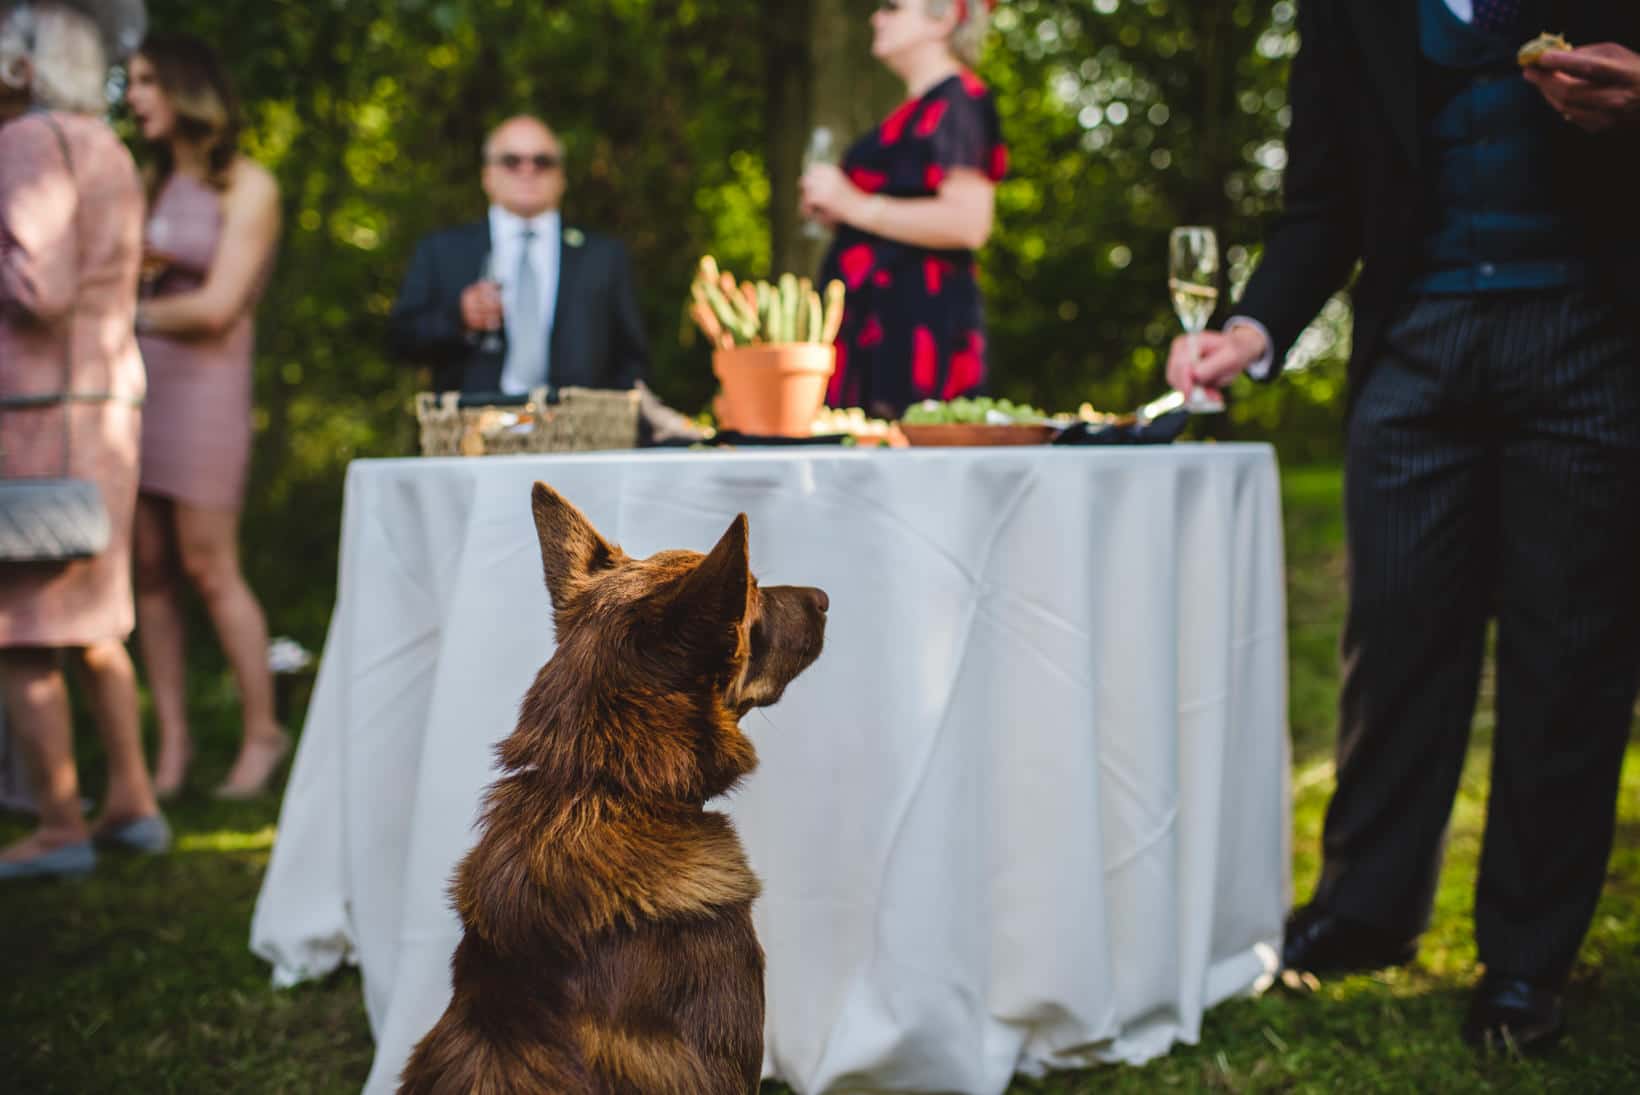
51 520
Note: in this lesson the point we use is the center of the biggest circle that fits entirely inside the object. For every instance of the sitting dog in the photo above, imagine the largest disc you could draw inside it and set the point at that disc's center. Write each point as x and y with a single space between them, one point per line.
607 940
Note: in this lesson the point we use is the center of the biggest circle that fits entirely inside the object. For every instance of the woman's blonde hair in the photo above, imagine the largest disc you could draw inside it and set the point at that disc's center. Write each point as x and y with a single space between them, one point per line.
973 19
56 53
202 99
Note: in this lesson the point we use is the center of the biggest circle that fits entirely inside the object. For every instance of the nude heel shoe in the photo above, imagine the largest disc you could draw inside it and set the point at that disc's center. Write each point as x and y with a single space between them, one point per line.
273 757
168 792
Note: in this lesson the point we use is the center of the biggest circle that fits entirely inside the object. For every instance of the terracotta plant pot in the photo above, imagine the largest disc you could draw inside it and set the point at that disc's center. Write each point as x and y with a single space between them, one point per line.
775 389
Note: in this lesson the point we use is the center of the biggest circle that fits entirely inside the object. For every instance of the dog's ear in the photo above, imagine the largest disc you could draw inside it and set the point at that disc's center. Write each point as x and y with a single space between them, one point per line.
715 597
571 548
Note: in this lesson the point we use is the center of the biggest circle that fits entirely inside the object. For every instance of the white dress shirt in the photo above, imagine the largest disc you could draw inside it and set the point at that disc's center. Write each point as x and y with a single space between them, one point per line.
506 238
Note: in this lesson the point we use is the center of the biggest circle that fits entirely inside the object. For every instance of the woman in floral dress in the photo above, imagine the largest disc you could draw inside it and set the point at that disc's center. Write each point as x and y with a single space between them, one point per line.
911 203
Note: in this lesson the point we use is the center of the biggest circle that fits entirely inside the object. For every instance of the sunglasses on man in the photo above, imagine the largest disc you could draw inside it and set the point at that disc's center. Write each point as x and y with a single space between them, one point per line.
512 161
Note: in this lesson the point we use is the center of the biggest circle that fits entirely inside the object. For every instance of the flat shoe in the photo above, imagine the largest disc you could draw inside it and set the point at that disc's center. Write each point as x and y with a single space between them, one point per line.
69 861
150 835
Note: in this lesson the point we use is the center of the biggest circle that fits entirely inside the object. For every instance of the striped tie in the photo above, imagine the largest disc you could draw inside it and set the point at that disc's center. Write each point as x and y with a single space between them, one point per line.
1497 15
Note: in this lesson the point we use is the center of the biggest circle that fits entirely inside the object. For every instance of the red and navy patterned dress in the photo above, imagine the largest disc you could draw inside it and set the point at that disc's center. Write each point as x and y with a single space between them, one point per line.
913 326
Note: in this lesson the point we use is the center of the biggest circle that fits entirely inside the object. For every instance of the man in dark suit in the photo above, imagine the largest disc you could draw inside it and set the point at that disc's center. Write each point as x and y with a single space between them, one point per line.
520 299
1492 461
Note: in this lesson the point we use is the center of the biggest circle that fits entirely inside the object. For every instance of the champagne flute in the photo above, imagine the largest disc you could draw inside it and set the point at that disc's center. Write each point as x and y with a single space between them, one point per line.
492 341
821 149
1192 280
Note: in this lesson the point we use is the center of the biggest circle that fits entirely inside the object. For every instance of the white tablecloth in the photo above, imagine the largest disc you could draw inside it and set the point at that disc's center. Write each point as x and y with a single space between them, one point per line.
1028 810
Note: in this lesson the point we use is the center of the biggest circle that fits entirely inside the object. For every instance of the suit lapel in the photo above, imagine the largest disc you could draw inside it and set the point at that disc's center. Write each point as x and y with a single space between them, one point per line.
1585 23
1388 30
478 246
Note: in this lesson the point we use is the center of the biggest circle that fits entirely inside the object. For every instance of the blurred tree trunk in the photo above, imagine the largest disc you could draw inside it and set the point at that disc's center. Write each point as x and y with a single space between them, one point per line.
820 73
1216 59
788 110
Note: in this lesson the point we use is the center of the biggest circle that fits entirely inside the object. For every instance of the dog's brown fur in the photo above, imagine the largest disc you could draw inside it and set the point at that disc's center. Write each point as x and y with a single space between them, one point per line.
608 942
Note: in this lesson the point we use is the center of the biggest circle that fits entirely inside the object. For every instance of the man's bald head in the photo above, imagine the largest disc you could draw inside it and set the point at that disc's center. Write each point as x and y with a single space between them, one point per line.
524 167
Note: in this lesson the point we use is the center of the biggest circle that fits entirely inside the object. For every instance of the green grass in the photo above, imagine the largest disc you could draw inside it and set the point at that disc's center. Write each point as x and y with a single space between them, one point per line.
139 979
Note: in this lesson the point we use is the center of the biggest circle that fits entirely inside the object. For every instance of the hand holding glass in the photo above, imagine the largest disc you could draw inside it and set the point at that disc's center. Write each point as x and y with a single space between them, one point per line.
491 341
1192 277
820 150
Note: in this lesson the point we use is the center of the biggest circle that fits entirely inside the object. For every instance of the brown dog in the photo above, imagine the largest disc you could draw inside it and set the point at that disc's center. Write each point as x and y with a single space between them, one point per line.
608 942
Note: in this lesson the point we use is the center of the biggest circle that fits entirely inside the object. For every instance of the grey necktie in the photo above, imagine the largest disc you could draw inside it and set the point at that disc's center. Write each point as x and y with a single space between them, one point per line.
527 344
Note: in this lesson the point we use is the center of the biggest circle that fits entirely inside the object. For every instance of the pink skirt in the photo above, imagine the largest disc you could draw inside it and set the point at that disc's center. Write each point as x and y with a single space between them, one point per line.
196 437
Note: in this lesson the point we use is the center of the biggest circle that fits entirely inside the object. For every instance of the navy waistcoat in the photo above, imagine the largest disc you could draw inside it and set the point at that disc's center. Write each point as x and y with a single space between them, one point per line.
1493 222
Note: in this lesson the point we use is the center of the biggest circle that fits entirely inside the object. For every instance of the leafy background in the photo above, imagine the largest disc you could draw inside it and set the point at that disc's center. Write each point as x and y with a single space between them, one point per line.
682 120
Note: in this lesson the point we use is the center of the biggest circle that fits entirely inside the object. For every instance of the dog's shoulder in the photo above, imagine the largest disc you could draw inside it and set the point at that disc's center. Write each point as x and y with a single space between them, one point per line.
592 865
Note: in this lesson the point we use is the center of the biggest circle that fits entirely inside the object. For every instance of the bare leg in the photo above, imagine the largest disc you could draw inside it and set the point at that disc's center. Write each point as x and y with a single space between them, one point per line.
160 635
111 684
207 541
36 698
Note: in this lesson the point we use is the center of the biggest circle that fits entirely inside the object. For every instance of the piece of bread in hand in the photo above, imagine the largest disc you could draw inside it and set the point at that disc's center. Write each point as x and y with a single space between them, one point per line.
1530 53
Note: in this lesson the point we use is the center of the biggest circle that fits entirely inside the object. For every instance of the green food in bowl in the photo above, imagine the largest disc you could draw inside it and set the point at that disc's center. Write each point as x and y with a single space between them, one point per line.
981 411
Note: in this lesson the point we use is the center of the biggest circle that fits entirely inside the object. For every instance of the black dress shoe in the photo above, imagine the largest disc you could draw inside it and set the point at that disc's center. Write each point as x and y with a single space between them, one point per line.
1316 941
1513 1015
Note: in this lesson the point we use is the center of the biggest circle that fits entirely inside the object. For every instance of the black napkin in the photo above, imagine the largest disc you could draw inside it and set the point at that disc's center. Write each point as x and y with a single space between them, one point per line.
735 437
1158 431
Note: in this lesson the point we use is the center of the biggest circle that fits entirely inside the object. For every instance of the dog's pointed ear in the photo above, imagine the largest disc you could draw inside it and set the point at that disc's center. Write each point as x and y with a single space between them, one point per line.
571 548
719 591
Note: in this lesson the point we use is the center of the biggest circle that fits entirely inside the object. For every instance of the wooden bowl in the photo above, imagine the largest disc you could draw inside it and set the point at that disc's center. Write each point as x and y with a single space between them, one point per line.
975 433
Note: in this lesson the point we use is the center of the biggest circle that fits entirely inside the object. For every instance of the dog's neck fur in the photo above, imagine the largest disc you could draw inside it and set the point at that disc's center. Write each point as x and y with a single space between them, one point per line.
578 721
572 823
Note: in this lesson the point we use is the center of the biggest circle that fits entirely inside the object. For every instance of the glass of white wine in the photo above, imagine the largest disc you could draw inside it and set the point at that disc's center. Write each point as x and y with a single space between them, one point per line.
821 149
492 341
1192 280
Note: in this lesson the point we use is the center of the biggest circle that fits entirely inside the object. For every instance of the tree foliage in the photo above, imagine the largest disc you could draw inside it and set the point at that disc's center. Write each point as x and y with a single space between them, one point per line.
1124 118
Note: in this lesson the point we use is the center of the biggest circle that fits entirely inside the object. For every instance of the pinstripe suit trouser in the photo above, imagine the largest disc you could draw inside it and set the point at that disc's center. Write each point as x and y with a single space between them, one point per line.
1492 472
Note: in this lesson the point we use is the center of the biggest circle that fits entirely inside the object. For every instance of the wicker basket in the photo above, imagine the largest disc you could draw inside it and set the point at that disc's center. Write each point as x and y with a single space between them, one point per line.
583 419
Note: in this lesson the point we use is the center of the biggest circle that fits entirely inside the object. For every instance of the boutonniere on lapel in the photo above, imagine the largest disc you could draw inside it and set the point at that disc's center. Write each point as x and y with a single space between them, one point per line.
574 237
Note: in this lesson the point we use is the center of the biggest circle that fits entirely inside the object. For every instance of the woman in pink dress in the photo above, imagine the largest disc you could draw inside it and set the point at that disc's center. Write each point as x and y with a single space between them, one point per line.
70 239
213 224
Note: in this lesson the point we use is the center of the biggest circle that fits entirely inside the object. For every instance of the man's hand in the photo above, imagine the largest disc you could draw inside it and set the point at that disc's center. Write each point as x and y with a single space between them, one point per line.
1220 358
481 306
1593 87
